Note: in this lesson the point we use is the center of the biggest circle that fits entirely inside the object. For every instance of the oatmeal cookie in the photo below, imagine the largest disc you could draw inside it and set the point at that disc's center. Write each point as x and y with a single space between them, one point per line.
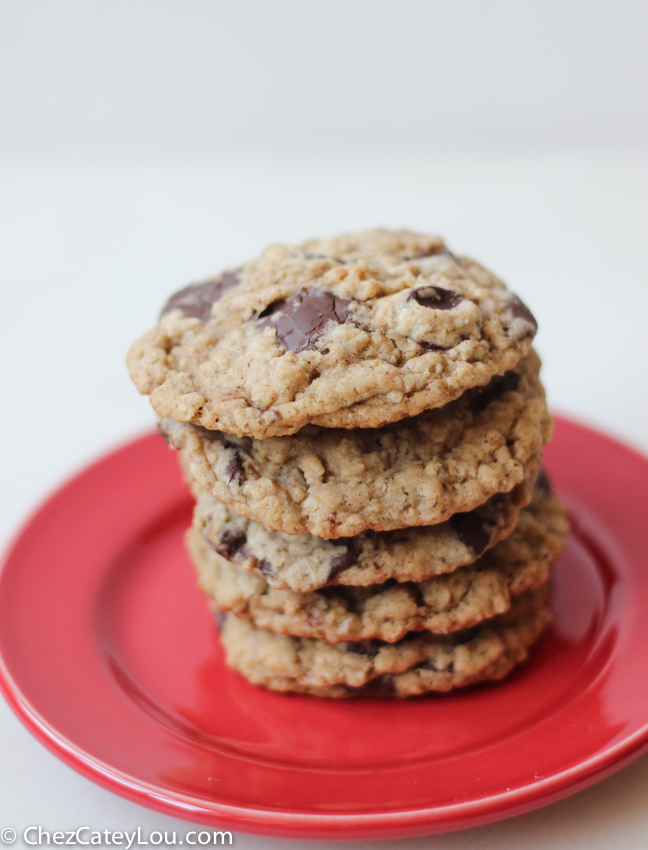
352 332
388 611
303 562
336 483
416 665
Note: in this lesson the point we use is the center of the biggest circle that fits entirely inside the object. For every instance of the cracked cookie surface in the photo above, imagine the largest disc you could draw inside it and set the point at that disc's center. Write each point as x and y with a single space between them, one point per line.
419 471
304 562
352 332
414 666
389 611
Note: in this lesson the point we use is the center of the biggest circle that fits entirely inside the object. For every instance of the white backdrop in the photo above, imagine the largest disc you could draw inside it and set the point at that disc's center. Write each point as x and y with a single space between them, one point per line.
216 75
147 144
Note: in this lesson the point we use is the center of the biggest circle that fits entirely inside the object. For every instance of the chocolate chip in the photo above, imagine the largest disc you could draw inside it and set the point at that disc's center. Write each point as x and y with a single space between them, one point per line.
435 297
370 648
542 482
472 530
344 558
230 542
521 311
481 397
301 319
196 299
266 568
234 468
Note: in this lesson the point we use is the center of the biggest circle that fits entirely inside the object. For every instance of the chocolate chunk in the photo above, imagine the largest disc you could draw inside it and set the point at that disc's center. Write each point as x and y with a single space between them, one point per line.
196 299
266 568
230 542
431 346
521 311
472 530
344 558
481 397
371 648
301 319
234 468
435 297
542 481
209 434
415 594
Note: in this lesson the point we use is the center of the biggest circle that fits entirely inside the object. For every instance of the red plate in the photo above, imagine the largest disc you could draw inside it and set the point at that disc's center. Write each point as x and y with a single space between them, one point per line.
109 656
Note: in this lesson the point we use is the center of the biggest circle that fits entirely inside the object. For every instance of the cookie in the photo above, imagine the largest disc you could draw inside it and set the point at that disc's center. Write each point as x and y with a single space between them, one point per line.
538 539
389 611
416 665
336 483
303 562
353 332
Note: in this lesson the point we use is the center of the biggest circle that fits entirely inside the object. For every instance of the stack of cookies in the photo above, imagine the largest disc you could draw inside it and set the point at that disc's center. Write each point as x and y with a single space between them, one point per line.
361 421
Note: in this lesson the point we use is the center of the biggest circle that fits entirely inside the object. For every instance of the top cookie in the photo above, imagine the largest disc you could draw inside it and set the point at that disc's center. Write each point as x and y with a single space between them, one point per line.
352 332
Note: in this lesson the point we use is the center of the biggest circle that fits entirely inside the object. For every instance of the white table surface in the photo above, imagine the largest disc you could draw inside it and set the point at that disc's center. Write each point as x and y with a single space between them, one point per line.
88 252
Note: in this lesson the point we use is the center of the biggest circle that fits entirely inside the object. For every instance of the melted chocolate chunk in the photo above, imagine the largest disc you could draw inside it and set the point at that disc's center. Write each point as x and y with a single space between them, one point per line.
521 311
196 299
230 542
472 530
301 319
370 648
234 468
344 558
266 568
494 389
435 297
